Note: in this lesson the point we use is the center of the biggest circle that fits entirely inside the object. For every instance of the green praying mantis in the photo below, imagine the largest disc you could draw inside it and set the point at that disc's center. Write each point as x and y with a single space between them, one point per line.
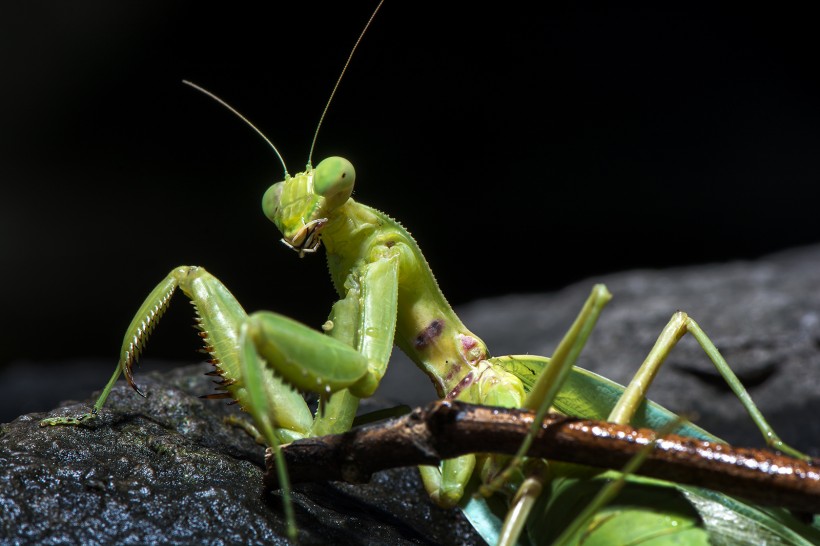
387 295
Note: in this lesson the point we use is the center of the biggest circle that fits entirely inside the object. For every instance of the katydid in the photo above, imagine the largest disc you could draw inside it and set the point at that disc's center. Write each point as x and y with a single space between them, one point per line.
387 294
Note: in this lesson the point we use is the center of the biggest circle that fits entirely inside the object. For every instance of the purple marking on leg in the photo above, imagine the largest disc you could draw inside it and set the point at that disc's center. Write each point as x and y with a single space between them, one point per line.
429 334
452 372
463 384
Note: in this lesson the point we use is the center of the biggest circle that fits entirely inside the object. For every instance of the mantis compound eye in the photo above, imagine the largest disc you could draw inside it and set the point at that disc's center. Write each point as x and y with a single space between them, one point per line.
271 201
333 179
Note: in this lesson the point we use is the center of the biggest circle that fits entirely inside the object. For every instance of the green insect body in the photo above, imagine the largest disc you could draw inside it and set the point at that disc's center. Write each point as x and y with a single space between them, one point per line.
407 299
388 295
373 260
386 288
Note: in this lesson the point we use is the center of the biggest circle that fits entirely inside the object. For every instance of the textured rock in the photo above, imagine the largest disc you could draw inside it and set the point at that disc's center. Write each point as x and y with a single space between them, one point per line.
167 470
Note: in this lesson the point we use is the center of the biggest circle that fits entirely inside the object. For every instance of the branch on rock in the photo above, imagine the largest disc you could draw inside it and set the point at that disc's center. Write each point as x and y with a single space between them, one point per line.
447 429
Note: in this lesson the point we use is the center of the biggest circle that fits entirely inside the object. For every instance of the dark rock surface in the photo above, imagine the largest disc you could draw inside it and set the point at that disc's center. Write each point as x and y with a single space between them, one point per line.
167 470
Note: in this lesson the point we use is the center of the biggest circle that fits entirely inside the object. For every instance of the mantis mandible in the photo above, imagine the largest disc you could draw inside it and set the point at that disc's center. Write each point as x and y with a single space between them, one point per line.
387 294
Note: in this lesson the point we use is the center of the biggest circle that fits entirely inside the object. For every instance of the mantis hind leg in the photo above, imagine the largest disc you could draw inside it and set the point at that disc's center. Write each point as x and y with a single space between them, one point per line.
629 403
679 325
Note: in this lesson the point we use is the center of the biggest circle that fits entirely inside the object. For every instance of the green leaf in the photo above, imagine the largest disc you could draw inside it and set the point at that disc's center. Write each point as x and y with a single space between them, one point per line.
642 514
647 511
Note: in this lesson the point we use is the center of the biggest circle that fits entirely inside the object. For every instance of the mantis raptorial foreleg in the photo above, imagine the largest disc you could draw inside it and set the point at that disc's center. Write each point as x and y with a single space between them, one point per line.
296 353
262 356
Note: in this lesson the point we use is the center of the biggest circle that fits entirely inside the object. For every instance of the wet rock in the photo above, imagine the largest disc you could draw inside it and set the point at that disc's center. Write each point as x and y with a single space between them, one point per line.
166 469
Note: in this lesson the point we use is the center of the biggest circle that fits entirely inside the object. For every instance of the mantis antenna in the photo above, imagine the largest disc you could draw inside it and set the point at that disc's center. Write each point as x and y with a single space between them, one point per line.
324 112
243 118
335 87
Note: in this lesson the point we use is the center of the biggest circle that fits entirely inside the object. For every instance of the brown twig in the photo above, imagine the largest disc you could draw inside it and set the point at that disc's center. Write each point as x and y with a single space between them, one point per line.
443 430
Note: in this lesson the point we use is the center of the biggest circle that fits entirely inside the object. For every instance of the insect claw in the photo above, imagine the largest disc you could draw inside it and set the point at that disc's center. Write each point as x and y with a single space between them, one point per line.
134 385
216 396
126 369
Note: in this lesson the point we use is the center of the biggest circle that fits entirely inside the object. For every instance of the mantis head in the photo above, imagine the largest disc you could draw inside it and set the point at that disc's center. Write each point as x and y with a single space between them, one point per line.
302 205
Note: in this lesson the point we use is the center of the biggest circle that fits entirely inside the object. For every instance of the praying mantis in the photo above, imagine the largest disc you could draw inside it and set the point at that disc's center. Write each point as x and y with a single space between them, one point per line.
386 289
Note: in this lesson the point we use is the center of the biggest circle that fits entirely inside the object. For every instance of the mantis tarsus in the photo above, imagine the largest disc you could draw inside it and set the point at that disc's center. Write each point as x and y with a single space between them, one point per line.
385 288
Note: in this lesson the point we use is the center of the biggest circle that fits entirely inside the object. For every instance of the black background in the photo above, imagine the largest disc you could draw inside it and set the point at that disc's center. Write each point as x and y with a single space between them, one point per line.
524 149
